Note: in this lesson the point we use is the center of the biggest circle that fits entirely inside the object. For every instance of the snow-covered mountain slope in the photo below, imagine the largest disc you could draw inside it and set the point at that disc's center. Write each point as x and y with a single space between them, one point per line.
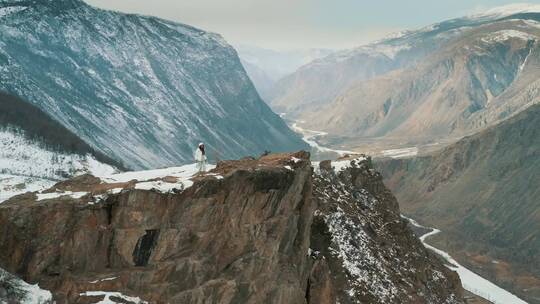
27 165
36 151
21 156
141 90
509 10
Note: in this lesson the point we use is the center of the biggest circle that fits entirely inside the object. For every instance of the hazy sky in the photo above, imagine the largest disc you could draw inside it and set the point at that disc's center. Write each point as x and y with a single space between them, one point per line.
290 24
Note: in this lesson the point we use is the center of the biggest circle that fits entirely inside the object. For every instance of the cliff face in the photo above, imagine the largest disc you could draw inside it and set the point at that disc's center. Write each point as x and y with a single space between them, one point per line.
250 231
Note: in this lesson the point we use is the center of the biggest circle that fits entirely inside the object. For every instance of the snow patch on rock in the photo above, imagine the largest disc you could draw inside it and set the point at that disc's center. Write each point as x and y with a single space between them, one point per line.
5 11
53 195
151 179
11 185
504 35
108 294
357 256
103 280
31 294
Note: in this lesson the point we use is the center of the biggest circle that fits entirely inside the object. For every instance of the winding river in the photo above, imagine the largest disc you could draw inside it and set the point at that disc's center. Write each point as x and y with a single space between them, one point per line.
470 280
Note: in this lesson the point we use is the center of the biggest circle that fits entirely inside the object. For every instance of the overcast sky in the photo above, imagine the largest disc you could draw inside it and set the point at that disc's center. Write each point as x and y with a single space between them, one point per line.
294 24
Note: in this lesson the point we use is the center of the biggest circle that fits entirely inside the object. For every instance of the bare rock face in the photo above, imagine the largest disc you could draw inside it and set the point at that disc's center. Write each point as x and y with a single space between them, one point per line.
265 230
240 239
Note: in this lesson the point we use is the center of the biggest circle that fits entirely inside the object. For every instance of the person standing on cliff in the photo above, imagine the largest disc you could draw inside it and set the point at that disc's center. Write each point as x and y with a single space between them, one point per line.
200 158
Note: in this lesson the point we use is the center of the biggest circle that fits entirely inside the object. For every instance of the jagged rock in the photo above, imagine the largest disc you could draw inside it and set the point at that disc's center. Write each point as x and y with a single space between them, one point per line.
373 255
253 236
325 165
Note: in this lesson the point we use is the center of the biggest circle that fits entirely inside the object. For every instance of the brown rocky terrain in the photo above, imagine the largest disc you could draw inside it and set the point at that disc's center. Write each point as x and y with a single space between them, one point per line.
267 230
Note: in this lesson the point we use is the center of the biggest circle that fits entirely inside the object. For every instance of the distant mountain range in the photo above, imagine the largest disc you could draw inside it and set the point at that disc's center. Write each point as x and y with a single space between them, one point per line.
443 81
265 67
141 90
483 192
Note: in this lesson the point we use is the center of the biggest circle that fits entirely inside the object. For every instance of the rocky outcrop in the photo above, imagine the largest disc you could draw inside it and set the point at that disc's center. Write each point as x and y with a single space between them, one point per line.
240 239
266 230
373 255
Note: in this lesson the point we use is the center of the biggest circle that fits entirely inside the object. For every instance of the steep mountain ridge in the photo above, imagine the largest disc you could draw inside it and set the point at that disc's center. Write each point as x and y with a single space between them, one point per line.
140 89
434 84
249 231
260 78
467 85
483 193
322 80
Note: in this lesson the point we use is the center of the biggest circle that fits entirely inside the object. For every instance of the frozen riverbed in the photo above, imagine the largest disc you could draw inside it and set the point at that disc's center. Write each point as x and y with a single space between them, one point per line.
309 137
470 280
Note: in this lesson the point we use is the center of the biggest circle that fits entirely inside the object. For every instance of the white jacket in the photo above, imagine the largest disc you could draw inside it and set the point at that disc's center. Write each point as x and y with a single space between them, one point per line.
199 157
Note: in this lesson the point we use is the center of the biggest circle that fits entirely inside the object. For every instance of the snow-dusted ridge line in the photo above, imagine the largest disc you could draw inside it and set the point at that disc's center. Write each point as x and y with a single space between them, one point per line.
145 180
508 10
393 43
505 35
470 280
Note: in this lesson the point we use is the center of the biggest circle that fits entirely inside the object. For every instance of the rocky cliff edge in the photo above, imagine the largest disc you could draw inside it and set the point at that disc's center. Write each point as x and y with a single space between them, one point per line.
277 229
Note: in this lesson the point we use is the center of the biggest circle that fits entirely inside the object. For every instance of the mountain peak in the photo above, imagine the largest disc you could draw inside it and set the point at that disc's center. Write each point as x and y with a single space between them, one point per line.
508 10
